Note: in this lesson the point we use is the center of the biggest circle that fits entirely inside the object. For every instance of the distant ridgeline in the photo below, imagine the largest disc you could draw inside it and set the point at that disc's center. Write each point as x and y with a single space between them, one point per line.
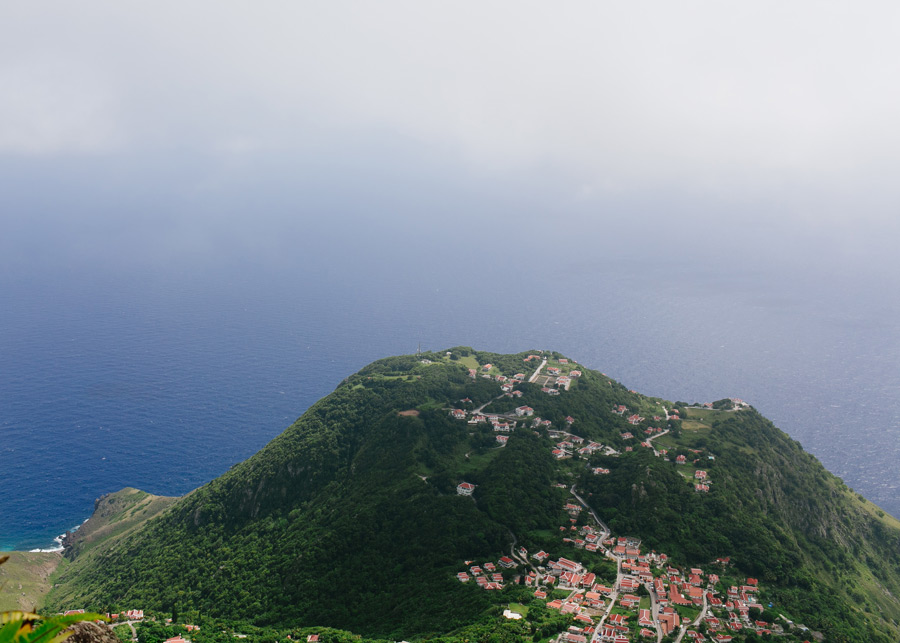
356 517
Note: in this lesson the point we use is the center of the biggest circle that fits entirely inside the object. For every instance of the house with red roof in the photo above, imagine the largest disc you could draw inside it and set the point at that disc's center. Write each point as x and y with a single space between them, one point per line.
465 488
668 622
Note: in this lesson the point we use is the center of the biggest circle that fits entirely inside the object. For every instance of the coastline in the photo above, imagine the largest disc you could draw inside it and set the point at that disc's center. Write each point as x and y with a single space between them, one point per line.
57 544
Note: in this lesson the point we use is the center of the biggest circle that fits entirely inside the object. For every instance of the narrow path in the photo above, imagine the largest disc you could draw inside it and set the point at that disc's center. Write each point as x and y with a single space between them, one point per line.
130 624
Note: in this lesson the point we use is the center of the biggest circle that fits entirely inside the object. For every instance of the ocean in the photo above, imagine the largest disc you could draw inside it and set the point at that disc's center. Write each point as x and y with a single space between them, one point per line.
163 379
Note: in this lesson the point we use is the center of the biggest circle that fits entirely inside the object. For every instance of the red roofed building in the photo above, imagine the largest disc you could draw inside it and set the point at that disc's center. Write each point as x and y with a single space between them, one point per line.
668 622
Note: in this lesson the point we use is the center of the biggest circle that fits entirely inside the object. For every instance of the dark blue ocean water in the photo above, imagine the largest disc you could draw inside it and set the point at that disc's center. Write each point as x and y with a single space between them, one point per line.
162 379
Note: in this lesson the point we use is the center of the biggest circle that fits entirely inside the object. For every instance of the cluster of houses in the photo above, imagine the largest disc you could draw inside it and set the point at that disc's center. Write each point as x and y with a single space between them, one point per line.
727 610
486 576
615 612
129 615
736 404
701 477
571 445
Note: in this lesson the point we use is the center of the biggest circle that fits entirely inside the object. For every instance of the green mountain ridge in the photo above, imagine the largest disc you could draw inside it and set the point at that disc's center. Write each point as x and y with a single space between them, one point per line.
350 518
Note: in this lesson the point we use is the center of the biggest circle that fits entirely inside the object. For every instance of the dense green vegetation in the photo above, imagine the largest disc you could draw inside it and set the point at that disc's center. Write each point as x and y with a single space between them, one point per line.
350 518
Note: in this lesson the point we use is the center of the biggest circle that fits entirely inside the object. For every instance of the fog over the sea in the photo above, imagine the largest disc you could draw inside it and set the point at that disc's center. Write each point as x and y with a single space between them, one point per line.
738 157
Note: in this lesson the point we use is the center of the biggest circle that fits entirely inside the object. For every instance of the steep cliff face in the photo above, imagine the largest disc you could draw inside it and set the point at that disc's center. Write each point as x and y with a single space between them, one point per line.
350 518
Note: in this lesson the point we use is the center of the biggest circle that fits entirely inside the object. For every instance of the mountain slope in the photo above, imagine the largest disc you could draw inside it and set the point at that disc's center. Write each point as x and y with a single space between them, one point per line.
350 518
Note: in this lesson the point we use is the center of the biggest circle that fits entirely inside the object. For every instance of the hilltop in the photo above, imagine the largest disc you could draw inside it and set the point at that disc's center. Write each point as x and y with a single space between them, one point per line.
367 512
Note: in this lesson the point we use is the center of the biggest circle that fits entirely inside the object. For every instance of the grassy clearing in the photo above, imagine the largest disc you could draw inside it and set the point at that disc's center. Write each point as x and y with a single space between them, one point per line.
694 425
518 608
687 470
706 415
665 442
469 362
25 579
687 613
478 461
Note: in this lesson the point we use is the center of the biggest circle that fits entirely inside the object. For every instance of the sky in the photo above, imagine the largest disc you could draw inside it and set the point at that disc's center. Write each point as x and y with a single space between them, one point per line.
697 146
787 104
187 135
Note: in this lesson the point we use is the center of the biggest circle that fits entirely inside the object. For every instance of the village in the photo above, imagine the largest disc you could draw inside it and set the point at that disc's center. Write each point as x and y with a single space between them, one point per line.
649 599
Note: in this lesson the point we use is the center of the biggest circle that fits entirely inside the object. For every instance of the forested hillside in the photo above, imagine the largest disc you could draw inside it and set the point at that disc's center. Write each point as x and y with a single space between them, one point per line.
351 517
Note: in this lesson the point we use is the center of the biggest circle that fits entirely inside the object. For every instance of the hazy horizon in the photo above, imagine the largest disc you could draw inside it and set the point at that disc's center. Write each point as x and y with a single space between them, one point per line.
734 164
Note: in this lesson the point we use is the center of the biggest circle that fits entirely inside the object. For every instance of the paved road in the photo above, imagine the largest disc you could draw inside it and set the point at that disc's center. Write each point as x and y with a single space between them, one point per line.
695 622
604 535
537 371
603 528
654 610
652 438
612 599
